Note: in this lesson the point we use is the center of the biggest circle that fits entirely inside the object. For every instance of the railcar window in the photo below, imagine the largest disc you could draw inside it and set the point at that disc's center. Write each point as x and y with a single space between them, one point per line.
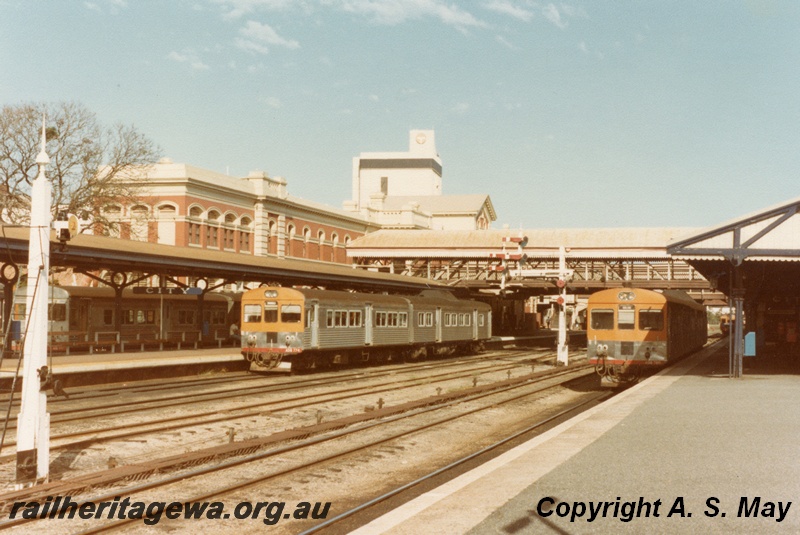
291 314
185 317
603 319
651 320
403 319
252 313
425 319
271 312
57 312
626 317
108 316
355 318
329 318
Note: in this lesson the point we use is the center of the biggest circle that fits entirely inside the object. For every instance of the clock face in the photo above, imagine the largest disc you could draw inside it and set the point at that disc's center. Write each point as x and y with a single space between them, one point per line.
10 272
421 138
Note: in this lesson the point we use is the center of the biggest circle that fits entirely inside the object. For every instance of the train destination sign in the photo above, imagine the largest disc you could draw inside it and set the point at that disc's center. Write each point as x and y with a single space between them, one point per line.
167 291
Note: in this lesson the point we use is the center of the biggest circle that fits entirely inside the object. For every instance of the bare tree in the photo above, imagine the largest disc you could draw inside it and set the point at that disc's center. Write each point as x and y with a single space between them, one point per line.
91 166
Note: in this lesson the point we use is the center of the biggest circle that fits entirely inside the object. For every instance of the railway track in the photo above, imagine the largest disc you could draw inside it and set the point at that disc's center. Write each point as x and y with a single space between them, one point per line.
118 408
392 421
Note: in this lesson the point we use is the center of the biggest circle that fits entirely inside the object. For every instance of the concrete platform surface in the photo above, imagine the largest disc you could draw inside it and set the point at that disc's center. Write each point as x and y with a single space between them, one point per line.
99 362
686 451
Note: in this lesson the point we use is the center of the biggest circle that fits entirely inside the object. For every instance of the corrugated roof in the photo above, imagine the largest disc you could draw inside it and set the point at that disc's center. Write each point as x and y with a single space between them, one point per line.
100 252
628 239
437 204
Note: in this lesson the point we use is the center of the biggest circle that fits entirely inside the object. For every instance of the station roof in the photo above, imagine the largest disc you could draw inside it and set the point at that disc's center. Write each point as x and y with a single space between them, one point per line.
771 234
765 244
93 253
443 204
543 243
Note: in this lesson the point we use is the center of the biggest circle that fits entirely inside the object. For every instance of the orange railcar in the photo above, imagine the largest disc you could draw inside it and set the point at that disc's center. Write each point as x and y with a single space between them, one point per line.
632 332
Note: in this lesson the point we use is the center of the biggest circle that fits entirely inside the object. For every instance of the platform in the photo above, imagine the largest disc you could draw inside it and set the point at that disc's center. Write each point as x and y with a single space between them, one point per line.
689 441
100 362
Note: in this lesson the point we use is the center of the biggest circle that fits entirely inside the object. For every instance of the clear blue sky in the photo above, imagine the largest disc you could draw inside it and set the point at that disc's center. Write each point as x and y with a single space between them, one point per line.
578 114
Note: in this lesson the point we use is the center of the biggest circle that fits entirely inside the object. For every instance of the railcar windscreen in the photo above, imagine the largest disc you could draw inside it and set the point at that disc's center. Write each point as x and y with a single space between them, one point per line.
291 314
602 319
252 313
651 320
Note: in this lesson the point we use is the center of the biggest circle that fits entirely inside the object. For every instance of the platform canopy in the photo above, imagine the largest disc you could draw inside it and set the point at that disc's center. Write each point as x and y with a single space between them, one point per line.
764 245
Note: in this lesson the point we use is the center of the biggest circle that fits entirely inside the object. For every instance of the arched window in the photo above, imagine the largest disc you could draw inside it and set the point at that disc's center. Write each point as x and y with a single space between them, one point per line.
334 247
212 230
139 216
166 224
321 245
245 229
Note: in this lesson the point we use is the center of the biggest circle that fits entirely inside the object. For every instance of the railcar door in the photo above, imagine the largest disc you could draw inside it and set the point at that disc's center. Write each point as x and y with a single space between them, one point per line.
438 321
313 323
368 324
411 323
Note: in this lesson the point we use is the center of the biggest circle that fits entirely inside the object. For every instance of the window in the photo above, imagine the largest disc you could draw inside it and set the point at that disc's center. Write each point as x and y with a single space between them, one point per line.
329 318
244 241
291 314
402 319
185 317
271 312
380 319
228 238
57 312
108 316
194 234
626 317
355 318
651 320
212 234
602 319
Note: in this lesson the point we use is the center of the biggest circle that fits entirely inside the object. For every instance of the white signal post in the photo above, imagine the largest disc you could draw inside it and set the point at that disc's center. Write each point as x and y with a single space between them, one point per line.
562 356
33 421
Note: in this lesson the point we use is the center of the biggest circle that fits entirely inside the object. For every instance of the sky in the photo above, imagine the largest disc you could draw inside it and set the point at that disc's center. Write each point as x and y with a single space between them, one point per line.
600 113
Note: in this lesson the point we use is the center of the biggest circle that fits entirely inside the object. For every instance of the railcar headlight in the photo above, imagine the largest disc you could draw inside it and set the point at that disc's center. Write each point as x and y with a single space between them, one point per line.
251 340
270 293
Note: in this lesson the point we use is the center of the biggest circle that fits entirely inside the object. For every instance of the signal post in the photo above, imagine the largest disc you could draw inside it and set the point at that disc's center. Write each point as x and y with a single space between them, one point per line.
33 421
